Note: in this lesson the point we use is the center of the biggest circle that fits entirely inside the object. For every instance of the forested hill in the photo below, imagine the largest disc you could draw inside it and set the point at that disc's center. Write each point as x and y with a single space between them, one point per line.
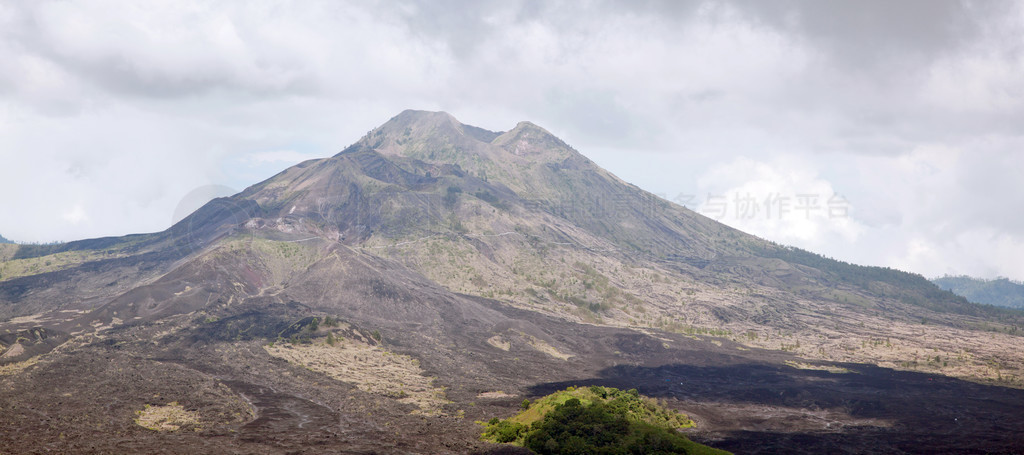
999 292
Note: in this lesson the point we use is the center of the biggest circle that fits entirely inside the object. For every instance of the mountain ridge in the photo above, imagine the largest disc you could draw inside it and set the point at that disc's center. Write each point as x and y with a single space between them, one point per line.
1001 292
481 267
393 186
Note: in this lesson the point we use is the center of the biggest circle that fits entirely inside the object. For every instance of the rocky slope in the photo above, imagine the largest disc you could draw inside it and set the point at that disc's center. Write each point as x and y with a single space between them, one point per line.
434 273
523 218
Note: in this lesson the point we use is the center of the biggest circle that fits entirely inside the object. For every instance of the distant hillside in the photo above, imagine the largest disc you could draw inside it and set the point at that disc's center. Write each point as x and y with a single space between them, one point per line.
999 292
4 240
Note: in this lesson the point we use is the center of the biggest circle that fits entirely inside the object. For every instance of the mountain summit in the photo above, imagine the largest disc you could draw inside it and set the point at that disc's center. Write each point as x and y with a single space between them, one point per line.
435 273
515 158
428 135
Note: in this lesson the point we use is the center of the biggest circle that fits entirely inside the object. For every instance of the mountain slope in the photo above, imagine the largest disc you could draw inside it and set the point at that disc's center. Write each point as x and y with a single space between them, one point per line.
469 268
999 292
522 217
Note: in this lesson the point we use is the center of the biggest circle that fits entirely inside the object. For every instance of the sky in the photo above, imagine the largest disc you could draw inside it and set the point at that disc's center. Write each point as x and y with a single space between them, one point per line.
876 132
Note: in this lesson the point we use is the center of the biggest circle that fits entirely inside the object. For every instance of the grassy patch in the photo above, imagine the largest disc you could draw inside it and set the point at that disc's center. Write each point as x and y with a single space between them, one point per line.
17 367
170 417
371 368
499 342
13 268
546 348
808 366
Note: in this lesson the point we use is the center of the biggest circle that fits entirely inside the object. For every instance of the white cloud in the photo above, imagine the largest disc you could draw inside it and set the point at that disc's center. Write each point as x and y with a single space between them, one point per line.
785 201
75 215
278 157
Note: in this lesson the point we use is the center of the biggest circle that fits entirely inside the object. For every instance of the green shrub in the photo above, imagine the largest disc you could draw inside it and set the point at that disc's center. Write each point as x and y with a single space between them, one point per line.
597 428
596 420
505 432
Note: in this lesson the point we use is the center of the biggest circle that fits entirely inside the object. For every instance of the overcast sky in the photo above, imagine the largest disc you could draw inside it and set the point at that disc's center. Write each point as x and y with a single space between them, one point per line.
878 132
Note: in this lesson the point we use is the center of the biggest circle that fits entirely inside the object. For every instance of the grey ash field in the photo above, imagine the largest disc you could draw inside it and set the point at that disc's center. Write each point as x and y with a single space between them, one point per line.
434 274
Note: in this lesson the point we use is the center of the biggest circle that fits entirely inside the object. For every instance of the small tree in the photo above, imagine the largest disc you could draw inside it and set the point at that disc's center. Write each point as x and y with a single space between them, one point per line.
525 404
330 338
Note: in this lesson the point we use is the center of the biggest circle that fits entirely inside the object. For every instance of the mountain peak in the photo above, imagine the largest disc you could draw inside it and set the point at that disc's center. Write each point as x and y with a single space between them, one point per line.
415 115
439 136
418 123
415 131
528 124
528 139
512 157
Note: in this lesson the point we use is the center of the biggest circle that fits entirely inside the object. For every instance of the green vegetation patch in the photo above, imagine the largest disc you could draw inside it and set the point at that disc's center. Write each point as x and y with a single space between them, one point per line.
13 267
596 420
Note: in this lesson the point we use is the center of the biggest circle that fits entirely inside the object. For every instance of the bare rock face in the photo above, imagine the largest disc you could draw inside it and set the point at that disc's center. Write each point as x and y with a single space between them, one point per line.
474 269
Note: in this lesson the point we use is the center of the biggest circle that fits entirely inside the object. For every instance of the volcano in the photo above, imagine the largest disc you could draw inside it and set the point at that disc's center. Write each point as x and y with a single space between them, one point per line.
434 274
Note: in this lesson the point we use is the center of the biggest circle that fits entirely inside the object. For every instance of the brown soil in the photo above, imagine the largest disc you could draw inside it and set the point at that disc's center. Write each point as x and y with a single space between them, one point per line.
84 397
